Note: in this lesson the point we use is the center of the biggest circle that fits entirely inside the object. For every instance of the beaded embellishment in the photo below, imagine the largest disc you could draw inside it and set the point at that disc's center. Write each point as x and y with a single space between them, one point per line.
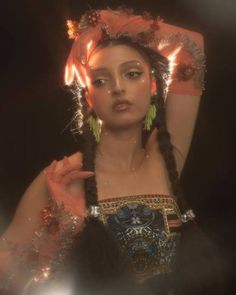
147 228
47 250
174 43
148 231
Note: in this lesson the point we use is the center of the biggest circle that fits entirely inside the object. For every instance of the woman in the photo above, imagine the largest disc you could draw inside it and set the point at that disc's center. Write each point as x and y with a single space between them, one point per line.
116 206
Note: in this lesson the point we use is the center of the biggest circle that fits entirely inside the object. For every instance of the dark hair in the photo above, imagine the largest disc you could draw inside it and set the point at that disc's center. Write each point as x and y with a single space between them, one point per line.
97 258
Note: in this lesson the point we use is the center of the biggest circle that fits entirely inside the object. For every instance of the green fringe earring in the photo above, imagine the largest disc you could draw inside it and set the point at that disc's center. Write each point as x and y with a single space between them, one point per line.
150 116
95 127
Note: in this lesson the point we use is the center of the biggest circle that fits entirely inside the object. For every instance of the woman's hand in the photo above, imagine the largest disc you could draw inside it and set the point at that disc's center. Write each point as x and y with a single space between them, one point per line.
65 184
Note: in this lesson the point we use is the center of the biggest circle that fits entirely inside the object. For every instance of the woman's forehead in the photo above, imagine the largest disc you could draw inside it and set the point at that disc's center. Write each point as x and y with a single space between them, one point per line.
115 55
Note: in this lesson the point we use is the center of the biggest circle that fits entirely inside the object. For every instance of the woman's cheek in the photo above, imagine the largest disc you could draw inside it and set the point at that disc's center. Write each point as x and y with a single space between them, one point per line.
143 88
98 101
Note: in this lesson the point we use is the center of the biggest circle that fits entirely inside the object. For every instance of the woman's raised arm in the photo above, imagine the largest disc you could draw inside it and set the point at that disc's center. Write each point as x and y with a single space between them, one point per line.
181 114
184 95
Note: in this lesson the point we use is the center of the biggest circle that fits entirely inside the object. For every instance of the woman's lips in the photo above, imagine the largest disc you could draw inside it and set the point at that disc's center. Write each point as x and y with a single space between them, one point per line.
121 106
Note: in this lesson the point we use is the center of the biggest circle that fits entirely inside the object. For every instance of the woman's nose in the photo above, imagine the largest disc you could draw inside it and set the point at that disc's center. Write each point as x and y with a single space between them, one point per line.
118 86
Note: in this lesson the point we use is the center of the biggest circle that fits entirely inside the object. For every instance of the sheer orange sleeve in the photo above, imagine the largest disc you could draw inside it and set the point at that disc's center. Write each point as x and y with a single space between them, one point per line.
185 50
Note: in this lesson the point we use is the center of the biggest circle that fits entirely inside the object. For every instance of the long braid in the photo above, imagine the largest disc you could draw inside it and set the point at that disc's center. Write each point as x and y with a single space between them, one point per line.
163 136
89 148
191 270
96 257
160 68
87 143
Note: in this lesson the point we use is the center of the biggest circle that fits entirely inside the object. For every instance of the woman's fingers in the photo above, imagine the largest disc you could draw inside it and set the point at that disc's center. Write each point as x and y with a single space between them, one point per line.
50 170
66 166
74 175
59 178
67 172
65 163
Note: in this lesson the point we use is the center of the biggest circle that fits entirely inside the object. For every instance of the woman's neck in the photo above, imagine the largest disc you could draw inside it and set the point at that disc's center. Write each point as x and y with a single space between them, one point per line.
120 150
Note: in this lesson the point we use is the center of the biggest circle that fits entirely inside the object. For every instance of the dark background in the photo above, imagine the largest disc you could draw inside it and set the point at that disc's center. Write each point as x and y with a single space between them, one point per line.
36 109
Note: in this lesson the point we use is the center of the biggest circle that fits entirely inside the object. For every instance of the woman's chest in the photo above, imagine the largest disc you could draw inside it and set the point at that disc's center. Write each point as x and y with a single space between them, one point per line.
151 178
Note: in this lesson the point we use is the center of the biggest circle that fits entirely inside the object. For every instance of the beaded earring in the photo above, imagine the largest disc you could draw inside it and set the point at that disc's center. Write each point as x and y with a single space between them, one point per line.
95 127
151 114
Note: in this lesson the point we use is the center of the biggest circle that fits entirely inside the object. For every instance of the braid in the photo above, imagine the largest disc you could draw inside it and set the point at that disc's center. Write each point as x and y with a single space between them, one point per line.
96 258
160 66
88 143
89 148
163 136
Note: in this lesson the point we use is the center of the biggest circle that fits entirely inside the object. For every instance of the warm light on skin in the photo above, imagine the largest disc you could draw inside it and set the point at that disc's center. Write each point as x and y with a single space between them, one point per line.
119 73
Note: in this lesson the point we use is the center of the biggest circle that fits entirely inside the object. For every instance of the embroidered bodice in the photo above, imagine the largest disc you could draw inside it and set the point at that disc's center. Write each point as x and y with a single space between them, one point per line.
147 228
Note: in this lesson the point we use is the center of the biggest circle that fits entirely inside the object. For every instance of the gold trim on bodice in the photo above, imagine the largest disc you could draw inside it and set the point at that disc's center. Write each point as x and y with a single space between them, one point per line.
147 228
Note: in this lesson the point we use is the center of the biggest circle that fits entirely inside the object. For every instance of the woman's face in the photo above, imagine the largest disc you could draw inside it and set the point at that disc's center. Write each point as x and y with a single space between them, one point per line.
119 85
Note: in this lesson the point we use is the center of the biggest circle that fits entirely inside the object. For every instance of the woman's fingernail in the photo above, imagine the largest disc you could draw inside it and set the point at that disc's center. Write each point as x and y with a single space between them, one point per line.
90 173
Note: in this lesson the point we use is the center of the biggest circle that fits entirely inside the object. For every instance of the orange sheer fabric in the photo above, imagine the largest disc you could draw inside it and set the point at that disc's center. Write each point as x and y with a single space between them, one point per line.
183 48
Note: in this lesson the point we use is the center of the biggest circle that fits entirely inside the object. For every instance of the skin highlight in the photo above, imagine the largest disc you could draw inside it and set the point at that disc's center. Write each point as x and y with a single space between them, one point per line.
120 86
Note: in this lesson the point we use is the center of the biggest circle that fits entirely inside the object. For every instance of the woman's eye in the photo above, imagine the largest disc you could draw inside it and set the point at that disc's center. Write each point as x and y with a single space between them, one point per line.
99 82
133 74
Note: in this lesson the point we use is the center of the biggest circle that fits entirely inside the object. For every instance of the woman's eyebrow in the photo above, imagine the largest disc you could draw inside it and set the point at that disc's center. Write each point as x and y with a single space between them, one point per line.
132 62
94 70
103 69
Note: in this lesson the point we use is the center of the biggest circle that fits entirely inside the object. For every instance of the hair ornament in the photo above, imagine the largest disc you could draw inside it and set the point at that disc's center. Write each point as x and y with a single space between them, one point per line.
155 24
146 37
72 29
183 48
185 72
92 17
146 15
93 211
150 117
95 127
106 34
187 216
